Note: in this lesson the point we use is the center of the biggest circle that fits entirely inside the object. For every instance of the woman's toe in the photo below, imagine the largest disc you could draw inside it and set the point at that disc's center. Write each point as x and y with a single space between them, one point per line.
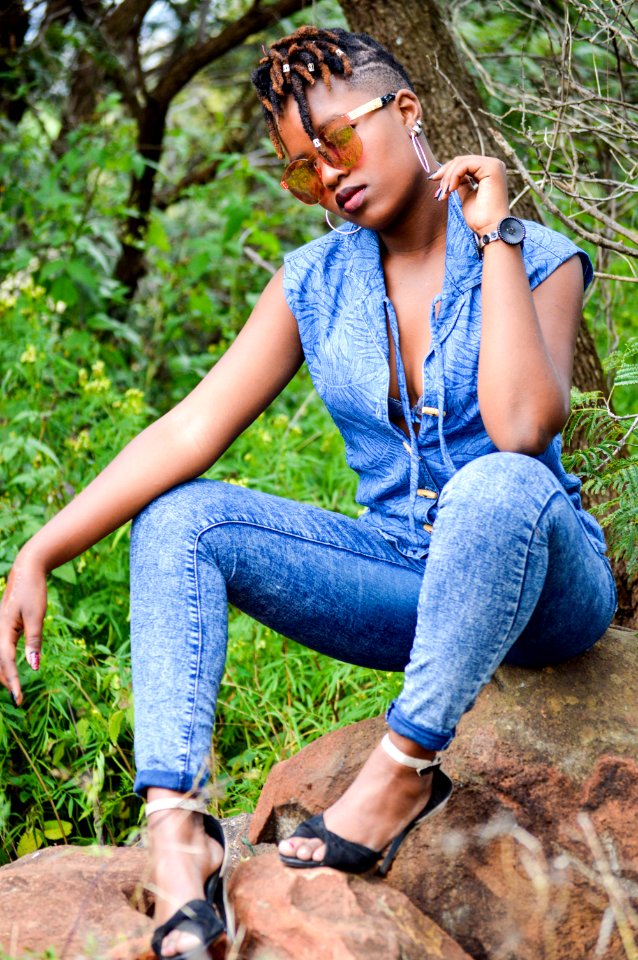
319 852
176 943
302 849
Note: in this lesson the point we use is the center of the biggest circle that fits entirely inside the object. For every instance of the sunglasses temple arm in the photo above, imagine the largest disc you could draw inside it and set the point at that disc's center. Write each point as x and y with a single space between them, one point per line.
375 104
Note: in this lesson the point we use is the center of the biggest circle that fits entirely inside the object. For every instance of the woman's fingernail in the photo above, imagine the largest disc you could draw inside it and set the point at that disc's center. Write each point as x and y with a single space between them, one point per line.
33 658
14 698
437 194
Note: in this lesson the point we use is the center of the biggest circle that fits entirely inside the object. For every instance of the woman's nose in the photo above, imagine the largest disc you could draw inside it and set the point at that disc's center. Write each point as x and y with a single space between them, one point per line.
329 175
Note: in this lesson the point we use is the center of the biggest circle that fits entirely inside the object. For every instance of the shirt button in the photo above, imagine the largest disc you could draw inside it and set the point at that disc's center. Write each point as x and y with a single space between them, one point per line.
407 446
427 527
430 494
432 411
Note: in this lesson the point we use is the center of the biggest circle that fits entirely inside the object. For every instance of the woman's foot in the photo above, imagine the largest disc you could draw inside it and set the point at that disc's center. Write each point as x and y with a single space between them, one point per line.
183 857
383 798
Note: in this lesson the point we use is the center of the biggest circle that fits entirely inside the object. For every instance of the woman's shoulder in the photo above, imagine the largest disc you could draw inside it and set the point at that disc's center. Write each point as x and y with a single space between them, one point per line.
315 250
544 250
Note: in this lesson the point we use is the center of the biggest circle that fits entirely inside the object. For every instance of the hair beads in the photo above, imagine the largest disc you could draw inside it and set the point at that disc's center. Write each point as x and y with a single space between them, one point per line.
297 61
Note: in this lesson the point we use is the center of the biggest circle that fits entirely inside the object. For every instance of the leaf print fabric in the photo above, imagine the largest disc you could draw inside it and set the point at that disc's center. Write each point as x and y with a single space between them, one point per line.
335 287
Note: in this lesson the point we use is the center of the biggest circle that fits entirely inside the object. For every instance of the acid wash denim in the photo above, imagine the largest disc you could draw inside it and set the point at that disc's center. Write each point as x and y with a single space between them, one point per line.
511 575
335 287
464 557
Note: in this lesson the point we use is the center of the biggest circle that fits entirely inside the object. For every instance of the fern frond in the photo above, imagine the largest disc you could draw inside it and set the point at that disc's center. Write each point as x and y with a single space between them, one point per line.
627 375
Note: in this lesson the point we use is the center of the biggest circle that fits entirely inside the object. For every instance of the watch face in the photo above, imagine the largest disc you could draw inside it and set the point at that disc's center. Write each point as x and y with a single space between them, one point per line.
511 230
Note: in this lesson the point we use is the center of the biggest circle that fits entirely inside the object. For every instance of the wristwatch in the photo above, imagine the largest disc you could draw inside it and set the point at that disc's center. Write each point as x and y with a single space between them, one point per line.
510 229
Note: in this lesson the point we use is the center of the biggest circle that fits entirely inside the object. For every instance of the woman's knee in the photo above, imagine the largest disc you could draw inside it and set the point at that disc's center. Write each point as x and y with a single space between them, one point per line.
184 509
500 482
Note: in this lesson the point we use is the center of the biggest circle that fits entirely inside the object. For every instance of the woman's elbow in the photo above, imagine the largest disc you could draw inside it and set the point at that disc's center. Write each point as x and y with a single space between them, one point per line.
531 437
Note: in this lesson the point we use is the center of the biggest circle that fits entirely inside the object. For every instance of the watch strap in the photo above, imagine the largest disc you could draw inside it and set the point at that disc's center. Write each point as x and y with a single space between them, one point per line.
483 239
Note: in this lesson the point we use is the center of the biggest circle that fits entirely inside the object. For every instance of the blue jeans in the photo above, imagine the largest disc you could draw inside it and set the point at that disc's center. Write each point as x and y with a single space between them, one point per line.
511 576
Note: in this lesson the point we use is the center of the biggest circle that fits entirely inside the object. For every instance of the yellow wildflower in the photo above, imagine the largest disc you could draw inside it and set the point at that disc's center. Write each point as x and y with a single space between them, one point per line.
30 355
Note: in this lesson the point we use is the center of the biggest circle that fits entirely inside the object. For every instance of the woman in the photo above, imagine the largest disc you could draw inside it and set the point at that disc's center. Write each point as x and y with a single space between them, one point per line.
474 547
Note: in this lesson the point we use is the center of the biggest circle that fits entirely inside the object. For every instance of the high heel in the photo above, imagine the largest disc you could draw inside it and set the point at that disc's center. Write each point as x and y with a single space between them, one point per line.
207 919
354 857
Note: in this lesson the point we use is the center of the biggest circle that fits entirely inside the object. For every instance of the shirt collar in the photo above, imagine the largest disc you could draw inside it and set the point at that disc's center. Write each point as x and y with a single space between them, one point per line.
463 268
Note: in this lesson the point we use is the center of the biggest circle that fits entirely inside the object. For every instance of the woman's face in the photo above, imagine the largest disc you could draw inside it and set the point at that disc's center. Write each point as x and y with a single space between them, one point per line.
380 188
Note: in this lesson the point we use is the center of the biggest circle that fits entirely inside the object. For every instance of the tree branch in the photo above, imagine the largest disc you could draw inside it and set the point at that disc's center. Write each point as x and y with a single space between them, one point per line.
178 73
234 141
126 19
596 238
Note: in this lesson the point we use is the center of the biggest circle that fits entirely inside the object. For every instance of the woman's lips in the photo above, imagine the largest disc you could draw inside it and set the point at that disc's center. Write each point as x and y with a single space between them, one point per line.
351 198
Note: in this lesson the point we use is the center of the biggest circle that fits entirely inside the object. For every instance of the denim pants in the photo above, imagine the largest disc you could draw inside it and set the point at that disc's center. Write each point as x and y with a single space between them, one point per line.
511 576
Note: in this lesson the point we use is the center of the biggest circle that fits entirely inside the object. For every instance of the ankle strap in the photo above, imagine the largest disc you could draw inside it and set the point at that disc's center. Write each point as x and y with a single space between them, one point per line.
175 803
421 766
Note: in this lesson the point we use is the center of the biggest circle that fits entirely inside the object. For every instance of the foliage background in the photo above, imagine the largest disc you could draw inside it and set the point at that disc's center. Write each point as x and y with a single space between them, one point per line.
83 368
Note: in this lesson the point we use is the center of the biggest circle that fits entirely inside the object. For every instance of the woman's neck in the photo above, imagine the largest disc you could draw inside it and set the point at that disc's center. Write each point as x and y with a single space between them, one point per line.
420 231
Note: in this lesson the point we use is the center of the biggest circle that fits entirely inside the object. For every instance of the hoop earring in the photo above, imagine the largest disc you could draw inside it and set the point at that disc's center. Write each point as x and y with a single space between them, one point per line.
418 149
345 233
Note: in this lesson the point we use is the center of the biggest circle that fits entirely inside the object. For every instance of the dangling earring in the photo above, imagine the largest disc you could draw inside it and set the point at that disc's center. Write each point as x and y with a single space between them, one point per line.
416 143
345 233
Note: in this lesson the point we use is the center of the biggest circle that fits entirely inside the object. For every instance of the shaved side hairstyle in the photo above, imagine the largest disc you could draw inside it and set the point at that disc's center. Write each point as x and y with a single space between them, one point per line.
296 62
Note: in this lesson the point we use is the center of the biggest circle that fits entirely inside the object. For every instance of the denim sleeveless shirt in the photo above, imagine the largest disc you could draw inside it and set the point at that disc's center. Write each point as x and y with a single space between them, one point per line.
335 288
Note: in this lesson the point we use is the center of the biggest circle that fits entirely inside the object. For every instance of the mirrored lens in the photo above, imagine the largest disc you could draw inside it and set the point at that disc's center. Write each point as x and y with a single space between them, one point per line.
342 143
301 178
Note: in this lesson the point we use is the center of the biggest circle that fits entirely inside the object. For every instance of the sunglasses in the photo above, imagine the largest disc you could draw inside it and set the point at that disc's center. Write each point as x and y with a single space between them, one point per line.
340 146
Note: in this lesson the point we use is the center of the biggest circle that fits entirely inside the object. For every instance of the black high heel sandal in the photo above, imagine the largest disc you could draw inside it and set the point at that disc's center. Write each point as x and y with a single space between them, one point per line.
208 919
354 857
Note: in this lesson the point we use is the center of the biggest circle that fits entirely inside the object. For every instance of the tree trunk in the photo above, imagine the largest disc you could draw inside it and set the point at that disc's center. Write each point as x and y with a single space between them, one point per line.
130 265
14 23
416 33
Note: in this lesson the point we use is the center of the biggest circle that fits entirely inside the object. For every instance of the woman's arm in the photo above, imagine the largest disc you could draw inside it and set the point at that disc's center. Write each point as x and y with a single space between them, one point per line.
177 447
527 338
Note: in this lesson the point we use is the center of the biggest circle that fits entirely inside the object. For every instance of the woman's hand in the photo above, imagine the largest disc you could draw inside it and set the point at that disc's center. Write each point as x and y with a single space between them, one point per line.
527 337
179 446
21 612
482 186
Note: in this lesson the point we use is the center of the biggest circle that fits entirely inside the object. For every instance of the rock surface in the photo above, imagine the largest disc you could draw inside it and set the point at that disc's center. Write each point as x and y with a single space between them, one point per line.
325 915
536 855
534 858
82 901
88 902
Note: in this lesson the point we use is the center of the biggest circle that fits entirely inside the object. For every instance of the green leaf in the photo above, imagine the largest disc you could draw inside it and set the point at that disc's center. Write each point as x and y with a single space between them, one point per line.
66 572
30 841
83 730
56 830
64 289
157 236
627 375
115 725
79 272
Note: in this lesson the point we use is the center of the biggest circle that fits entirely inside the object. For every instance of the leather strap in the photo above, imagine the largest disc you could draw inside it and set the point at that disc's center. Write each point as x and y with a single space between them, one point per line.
421 766
175 803
197 917
341 854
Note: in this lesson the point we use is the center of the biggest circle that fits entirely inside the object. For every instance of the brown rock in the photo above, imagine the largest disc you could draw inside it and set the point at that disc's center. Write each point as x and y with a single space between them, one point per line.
326 915
85 901
507 868
82 901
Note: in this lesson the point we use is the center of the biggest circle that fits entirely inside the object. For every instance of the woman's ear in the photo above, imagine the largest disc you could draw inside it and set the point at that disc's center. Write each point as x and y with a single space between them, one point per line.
409 107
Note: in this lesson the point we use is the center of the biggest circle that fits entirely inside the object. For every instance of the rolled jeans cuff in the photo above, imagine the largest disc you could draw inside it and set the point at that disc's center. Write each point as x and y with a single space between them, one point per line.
180 782
426 738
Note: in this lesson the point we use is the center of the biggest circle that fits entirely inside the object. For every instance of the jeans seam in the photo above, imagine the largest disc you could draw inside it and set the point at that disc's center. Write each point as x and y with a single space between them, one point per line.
261 526
500 655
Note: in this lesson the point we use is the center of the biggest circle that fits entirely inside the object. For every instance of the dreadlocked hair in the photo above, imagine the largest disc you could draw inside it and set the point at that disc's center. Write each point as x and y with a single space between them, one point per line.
295 62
